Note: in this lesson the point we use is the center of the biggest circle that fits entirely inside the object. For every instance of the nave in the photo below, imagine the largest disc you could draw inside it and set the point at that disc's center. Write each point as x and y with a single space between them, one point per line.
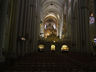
47 35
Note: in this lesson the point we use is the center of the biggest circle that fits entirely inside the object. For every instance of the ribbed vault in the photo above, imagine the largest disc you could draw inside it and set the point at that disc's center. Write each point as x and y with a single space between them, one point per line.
53 8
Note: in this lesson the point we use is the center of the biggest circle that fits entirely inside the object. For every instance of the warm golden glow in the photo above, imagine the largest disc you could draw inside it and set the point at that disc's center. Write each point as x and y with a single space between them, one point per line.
52 47
54 41
58 16
40 24
65 48
41 46
23 39
51 14
91 14
47 34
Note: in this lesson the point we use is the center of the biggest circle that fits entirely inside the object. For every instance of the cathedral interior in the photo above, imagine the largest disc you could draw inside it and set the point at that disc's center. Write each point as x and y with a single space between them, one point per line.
47 35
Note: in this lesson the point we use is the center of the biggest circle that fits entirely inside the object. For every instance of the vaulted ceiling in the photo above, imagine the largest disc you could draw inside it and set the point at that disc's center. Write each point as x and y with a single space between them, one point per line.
54 7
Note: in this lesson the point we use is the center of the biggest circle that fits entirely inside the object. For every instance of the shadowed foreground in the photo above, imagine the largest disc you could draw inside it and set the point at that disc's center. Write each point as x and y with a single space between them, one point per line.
51 62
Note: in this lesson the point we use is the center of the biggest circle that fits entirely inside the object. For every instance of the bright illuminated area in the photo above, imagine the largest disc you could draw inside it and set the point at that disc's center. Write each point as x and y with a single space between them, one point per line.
41 46
51 14
52 47
50 27
95 40
54 41
58 16
92 14
23 39
64 48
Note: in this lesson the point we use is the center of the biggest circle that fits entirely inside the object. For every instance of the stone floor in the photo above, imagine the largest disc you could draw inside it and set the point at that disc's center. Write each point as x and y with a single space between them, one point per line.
51 62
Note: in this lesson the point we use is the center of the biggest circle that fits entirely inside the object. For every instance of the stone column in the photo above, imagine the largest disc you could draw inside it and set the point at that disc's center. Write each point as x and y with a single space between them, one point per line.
37 22
34 24
67 33
61 27
73 25
4 22
83 26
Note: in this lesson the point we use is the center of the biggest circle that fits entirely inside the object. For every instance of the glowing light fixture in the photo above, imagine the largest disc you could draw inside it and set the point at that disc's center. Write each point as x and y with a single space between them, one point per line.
52 47
95 40
54 41
23 38
64 48
91 14
41 46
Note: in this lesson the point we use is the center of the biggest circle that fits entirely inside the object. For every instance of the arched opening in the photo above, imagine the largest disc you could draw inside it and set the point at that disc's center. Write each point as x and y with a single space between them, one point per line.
50 26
